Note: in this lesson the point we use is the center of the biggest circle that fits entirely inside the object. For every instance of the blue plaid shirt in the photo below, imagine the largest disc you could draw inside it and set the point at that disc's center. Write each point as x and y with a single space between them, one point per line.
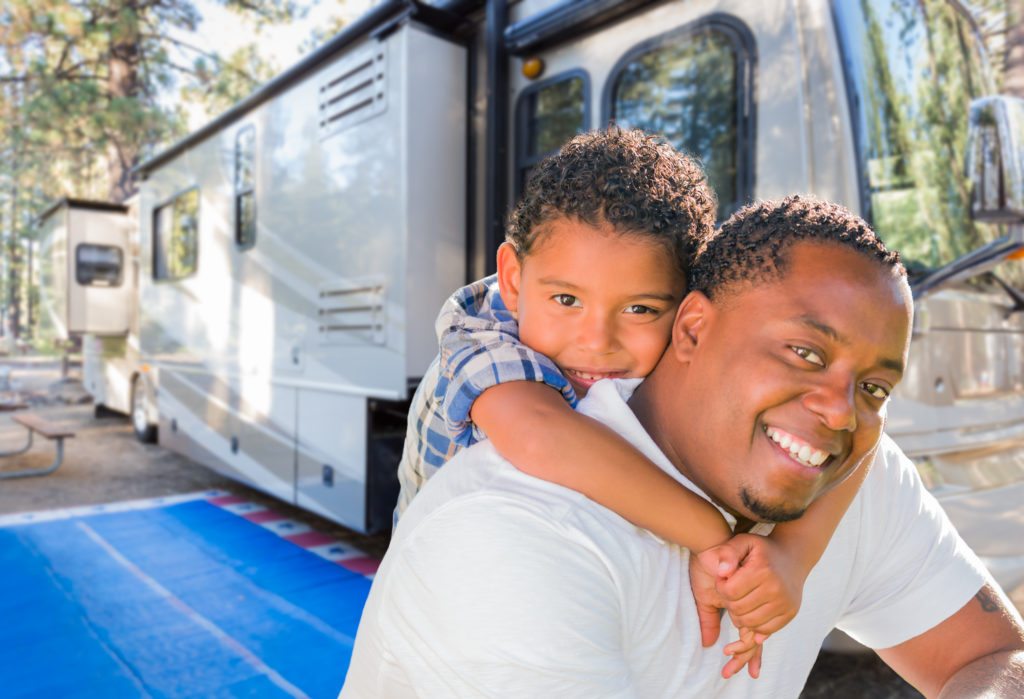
480 348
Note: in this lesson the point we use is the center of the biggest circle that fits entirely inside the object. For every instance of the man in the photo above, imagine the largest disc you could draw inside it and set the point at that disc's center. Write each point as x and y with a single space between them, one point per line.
794 334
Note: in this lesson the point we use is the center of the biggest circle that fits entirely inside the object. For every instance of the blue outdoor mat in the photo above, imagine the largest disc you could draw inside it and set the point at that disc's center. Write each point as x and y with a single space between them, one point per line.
187 599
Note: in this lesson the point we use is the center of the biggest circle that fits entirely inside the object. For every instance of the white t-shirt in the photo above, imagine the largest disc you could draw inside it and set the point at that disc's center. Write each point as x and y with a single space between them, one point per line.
498 584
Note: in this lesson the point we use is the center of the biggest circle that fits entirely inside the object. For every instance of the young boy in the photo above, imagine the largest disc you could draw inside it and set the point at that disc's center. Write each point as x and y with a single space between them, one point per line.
589 280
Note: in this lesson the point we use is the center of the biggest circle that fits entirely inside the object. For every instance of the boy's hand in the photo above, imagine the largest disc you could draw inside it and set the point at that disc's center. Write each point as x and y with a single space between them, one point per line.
705 570
764 591
746 651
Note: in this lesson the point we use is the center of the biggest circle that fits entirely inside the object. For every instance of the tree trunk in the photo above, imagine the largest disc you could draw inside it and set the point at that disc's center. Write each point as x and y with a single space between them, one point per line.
123 87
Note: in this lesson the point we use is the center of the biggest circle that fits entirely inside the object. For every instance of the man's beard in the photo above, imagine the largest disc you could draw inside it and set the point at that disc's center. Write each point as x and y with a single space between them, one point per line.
764 512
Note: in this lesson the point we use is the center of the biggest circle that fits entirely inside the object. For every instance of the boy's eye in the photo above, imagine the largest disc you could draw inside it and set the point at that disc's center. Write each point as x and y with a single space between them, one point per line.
639 308
875 391
567 300
808 355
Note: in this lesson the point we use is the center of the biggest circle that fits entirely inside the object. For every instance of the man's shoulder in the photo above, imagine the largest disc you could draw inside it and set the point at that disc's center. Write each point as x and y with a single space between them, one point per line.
477 481
478 495
891 467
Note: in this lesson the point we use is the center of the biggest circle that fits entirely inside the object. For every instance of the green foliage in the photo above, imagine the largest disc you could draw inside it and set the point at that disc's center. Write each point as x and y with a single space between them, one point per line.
84 88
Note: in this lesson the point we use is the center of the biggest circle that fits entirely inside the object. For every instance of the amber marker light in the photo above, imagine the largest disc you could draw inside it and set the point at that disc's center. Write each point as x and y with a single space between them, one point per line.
1019 255
532 68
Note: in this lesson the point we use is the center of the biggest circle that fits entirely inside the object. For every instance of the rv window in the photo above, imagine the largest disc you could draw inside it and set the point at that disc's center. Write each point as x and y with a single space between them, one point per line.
549 114
176 237
98 265
245 187
912 70
689 87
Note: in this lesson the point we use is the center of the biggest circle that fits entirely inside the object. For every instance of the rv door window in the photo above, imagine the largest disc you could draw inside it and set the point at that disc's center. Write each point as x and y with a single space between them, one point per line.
176 237
549 114
98 265
692 86
245 187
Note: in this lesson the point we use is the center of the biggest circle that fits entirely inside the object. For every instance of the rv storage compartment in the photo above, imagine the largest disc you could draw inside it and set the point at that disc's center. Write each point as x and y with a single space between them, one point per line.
85 266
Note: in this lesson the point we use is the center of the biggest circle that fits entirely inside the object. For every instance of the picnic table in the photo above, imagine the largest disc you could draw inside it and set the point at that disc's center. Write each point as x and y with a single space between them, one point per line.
36 424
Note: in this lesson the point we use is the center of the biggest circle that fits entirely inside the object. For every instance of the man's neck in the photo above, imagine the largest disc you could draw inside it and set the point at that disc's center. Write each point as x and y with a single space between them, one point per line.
659 426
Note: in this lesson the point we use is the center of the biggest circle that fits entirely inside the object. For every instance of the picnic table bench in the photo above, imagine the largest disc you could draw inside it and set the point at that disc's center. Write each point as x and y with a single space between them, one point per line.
46 429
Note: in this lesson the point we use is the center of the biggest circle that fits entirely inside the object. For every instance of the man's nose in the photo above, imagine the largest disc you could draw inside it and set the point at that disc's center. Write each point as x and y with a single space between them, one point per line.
833 400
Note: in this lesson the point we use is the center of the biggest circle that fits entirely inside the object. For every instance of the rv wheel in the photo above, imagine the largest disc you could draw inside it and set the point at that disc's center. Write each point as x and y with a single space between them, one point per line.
144 431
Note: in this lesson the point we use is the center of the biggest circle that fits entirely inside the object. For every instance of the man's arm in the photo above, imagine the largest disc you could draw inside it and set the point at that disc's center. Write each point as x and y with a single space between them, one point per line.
977 652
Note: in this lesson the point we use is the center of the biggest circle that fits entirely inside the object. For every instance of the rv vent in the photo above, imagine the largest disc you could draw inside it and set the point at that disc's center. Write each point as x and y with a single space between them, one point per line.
351 314
353 90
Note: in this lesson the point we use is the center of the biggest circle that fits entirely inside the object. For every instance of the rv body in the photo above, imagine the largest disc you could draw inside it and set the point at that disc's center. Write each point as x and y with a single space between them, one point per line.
292 264
288 362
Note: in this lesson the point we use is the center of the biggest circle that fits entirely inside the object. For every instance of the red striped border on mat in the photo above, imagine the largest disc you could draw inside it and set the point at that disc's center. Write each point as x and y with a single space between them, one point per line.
302 535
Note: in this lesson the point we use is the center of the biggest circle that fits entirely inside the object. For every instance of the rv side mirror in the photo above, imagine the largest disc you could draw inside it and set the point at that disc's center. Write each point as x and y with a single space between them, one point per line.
995 159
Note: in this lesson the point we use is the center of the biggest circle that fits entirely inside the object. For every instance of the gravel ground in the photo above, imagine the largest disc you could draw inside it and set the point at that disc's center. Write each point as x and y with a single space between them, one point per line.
104 463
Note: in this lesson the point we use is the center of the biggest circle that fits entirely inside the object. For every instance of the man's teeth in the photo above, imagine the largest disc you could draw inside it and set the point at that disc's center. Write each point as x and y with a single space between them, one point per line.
803 453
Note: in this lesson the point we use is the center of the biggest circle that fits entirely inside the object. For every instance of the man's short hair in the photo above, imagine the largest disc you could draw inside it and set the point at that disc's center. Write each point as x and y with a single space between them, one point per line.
753 245
637 183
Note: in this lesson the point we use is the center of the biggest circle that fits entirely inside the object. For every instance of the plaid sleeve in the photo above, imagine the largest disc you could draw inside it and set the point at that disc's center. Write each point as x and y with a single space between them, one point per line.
480 348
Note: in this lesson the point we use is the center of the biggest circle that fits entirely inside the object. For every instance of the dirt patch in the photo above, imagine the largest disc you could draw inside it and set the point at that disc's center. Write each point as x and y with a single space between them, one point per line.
104 462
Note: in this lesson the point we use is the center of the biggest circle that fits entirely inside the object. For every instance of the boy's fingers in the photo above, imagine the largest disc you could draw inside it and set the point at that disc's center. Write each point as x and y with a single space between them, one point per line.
748 609
738 648
763 620
747 580
710 624
737 661
754 665
720 560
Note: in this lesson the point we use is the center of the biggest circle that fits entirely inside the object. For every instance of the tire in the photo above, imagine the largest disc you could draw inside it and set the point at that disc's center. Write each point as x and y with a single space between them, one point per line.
144 431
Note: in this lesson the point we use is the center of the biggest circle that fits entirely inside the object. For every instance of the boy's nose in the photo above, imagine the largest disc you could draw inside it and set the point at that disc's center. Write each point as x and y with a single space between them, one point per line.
596 333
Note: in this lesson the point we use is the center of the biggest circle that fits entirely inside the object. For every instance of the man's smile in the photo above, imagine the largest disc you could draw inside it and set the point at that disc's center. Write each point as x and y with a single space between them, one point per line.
797 449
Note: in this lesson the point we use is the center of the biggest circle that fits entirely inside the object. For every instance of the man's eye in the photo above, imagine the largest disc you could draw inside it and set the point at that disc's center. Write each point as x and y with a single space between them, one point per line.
808 354
566 300
875 391
639 308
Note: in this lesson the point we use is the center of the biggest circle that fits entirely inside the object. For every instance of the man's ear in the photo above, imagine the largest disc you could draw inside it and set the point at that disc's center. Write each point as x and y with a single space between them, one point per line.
692 318
509 276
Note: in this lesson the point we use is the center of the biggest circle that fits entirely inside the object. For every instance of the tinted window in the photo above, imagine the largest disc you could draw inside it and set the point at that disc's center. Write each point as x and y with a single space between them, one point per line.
245 187
98 265
549 115
689 87
912 68
176 237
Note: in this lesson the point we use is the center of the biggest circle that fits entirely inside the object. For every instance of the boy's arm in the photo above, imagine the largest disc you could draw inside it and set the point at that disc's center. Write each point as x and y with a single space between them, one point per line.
480 348
534 428
808 536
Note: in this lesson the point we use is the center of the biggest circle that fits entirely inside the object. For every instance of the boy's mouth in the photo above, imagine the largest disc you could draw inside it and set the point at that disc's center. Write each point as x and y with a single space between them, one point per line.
589 378
798 450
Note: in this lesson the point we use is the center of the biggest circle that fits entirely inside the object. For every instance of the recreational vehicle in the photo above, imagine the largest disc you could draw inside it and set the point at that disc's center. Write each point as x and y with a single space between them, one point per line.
294 252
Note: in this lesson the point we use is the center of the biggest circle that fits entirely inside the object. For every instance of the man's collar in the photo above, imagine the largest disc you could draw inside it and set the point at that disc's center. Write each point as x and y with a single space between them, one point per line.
607 401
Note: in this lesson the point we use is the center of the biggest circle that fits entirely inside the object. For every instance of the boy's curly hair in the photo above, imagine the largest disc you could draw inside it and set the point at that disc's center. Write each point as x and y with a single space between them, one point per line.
635 182
752 245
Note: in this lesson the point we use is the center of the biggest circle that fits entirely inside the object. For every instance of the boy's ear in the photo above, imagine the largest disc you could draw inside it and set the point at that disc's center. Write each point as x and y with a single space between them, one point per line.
509 276
692 319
